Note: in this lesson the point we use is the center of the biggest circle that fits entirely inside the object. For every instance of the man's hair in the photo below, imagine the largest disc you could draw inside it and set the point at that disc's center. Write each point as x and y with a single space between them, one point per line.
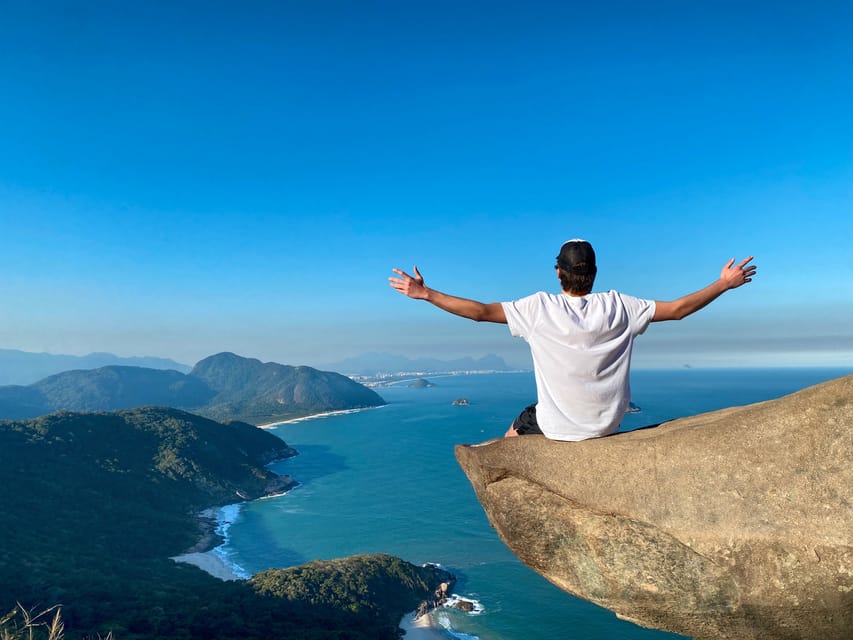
576 264
577 284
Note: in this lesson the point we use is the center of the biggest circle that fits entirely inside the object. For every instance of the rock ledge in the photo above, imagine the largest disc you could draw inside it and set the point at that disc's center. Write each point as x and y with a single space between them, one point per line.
731 524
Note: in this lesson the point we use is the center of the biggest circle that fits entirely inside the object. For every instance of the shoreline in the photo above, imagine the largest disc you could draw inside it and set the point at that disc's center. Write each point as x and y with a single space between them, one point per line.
380 384
423 628
213 524
209 562
337 412
410 377
204 556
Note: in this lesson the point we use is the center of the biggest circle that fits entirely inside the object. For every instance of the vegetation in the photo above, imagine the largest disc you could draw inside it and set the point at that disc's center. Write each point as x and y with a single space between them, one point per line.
223 387
256 392
358 583
95 504
21 624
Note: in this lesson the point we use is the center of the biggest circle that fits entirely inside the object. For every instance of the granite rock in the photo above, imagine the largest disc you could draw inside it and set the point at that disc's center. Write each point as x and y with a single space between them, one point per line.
730 524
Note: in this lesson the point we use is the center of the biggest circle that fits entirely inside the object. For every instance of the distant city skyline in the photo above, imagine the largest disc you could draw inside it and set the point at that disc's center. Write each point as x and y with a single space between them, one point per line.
182 179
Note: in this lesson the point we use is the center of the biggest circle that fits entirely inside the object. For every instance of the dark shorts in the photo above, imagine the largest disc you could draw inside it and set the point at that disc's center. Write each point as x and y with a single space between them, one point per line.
525 424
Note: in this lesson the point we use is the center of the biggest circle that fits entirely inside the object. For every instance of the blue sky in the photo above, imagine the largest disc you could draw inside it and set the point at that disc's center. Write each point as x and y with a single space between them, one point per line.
179 179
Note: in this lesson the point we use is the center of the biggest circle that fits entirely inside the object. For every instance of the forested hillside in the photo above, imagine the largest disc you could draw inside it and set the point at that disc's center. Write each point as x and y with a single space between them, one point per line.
93 506
255 391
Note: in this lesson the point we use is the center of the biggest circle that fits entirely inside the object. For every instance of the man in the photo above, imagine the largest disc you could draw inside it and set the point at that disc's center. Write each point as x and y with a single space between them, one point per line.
581 341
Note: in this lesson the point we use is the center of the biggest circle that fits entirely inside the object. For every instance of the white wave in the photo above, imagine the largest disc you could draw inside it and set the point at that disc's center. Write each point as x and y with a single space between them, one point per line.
225 517
444 622
455 599
280 493
225 556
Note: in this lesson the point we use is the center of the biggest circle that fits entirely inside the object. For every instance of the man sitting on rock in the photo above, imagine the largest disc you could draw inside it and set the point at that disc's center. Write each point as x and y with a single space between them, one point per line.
581 341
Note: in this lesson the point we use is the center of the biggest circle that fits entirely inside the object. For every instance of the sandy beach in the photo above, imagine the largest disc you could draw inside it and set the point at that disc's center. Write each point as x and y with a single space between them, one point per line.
272 425
421 629
210 562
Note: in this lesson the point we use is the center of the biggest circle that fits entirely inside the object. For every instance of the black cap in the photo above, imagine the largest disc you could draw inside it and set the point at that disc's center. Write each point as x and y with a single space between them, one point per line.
577 256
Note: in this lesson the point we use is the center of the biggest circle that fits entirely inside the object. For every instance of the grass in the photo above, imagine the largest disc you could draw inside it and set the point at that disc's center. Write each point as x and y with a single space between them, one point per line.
24 624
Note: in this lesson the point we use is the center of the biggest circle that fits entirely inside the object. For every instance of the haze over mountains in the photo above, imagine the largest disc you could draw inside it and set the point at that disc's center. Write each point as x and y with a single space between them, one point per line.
370 364
25 367
224 387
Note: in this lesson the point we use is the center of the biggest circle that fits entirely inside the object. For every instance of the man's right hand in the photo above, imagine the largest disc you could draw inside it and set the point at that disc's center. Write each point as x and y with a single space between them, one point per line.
412 286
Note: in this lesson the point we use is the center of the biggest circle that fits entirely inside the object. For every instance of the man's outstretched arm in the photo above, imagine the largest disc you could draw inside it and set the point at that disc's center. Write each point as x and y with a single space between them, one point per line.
414 287
731 277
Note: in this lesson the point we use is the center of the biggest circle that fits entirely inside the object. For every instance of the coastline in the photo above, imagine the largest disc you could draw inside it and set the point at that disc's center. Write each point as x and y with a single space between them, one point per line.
209 554
206 554
209 562
312 416
214 523
423 628
391 381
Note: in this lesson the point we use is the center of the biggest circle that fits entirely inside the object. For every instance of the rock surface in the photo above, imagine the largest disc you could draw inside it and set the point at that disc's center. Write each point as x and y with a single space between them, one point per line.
731 524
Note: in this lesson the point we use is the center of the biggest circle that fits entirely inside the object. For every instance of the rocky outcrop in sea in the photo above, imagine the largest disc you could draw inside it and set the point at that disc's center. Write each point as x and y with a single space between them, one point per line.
439 597
731 524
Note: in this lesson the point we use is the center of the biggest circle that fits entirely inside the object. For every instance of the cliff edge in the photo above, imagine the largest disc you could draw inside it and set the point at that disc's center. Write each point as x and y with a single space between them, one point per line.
731 524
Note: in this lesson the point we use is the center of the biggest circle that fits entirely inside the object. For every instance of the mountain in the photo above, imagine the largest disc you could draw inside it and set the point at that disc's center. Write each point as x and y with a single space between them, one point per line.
94 505
223 386
115 387
258 391
104 389
370 364
25 367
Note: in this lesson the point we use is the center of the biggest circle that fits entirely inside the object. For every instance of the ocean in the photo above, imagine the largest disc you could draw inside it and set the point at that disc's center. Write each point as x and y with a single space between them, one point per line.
385 480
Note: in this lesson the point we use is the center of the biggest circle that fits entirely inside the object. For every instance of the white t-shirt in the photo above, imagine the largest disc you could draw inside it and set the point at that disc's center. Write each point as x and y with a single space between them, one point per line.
581 349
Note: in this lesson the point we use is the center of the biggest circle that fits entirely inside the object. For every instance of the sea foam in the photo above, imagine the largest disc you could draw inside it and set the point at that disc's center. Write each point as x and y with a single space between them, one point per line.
444 622
225 517
455 599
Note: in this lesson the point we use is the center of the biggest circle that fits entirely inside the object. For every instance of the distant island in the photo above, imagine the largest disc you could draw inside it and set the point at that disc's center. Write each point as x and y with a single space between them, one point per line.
460 402
421 383
223 387
95 504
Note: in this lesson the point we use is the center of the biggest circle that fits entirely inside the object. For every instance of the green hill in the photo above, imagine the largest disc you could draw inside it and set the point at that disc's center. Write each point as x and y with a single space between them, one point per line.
250 390
94 504
223 386
119 387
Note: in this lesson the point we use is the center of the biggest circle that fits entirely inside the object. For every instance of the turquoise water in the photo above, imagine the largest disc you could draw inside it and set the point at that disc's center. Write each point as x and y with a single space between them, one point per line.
385 480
